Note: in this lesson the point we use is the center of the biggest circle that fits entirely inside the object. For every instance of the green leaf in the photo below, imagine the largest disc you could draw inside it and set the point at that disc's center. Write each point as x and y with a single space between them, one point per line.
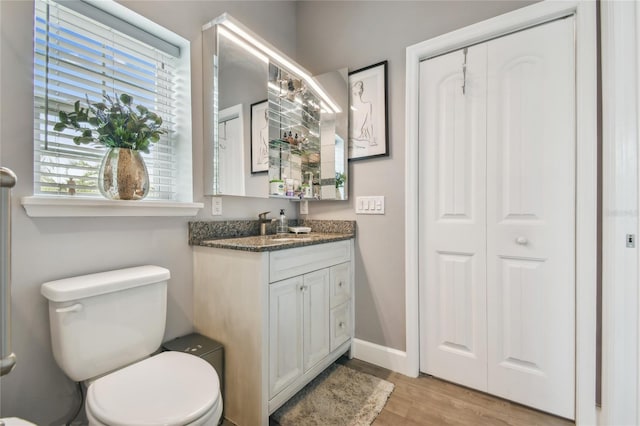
126 99
82 139
115 122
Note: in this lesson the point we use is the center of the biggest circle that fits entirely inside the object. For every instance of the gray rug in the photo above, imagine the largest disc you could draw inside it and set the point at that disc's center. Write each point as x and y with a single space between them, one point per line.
338 396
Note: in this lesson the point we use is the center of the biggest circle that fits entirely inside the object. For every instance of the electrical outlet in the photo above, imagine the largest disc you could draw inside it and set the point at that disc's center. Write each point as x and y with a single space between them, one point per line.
216 206
304 207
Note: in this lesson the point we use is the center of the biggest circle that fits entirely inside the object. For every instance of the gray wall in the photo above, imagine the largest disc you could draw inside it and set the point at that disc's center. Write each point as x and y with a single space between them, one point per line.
323 36
356 34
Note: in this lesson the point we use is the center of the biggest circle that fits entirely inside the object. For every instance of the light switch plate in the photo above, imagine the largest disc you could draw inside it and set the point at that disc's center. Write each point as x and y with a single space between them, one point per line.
370 205
216 206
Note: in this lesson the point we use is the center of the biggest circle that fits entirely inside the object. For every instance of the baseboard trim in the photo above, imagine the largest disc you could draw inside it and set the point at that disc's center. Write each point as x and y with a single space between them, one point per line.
382 356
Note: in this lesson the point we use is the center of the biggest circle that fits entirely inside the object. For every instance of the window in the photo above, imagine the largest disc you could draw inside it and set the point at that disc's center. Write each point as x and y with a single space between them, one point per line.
82 52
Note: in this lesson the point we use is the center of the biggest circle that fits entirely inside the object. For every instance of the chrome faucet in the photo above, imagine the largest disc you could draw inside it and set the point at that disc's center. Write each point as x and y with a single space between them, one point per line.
263 219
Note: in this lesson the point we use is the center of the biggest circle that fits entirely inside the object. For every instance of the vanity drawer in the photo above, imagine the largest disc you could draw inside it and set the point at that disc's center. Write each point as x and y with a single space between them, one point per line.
340 324
300 260
340 279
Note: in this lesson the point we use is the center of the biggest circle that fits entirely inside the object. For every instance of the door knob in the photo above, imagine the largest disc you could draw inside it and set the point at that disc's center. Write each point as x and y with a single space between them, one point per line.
522 241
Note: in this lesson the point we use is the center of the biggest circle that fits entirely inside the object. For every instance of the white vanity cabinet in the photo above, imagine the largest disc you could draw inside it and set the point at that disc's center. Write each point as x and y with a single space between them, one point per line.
298 327
283 316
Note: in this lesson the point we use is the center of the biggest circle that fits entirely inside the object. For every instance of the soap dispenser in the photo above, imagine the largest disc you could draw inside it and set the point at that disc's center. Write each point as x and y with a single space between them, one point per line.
283 226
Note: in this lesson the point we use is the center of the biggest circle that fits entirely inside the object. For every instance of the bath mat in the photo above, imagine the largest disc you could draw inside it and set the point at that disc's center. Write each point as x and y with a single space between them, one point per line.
338 396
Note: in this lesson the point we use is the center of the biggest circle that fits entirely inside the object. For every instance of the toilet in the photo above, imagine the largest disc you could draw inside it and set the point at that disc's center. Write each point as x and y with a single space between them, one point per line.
104 327
15 421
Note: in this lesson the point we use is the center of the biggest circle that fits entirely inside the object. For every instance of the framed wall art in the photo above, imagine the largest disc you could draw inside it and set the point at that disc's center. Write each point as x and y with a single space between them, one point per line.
259 137
368 116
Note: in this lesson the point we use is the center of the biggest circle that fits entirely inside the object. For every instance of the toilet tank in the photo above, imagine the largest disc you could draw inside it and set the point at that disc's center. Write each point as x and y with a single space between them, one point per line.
101 322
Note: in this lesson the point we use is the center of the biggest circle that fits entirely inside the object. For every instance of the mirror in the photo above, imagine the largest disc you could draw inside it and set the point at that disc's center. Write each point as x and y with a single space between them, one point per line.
256 101
307 157
335 155
234 80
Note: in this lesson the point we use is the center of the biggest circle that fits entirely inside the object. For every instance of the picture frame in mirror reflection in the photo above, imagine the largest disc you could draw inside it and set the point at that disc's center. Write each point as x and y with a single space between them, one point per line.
368 112
259 137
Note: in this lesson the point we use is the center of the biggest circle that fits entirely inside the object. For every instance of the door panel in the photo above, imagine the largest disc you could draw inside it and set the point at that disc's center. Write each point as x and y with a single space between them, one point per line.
455 331
530 217
453 222
316 317
521 314
285 333
520 105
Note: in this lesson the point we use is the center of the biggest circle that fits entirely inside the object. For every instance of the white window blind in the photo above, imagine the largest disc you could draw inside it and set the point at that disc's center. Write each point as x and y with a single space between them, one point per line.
75 58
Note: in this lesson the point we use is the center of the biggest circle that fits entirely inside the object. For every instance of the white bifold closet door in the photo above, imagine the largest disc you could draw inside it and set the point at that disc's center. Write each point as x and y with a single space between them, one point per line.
497 217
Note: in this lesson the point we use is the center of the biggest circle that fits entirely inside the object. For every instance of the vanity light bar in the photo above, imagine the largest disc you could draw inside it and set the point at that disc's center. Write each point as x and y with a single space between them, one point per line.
228 34
282 60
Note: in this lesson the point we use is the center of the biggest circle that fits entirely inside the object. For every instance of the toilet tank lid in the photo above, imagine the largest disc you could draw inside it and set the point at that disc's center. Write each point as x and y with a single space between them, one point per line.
103 282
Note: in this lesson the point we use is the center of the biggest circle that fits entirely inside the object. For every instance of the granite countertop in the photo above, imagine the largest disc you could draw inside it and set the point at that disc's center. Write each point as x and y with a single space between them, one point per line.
275 242
243 234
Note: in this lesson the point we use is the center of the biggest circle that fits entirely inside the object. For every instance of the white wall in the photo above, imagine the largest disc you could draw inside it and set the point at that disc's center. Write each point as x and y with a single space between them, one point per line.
356 34
47 249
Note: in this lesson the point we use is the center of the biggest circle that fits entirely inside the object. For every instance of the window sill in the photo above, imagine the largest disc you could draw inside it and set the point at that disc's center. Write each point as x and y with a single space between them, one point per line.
43 206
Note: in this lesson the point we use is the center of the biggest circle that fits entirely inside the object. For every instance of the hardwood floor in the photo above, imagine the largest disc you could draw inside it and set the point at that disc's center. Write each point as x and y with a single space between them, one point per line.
429 401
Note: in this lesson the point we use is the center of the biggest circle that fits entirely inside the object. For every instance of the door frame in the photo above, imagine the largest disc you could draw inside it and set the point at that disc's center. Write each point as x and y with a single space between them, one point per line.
620 194
586 177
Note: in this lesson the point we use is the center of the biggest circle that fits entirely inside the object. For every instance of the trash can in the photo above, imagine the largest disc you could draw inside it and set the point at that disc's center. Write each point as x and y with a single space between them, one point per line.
203 347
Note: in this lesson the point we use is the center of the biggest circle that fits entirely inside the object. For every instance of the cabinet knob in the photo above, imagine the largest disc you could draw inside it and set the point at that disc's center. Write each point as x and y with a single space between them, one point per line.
340 284
301 288
341 324
522 241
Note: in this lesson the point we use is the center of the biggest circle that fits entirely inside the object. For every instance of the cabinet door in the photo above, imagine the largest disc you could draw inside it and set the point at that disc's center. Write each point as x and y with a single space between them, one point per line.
340 284
340 325
316 317
285 333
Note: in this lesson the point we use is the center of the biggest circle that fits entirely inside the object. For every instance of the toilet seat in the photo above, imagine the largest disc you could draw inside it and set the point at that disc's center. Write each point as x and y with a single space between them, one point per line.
171 388
15 421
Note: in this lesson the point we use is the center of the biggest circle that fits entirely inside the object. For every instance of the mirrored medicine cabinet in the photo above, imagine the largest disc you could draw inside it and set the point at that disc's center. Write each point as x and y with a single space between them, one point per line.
271 130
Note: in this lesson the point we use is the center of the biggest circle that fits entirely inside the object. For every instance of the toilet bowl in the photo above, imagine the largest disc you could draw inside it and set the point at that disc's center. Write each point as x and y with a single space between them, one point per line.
104 327
172 388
